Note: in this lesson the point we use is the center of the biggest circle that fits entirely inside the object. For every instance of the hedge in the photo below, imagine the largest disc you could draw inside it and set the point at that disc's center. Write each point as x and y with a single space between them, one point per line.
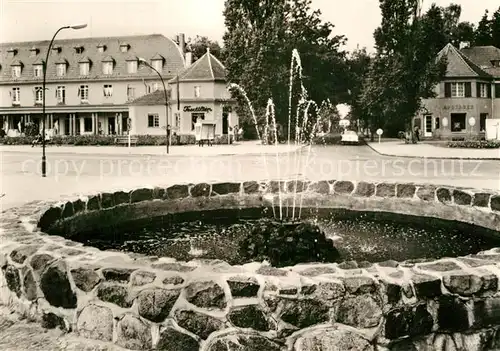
475 144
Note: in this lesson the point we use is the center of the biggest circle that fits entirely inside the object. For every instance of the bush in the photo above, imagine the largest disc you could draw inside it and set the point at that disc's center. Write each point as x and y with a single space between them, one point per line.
23 140
475 144
328 139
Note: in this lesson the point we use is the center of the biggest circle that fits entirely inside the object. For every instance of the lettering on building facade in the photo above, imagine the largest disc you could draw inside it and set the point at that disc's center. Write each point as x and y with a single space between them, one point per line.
197 109
457 107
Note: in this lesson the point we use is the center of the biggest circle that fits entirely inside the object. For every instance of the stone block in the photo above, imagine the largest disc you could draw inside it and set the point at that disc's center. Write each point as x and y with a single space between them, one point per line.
365 189
462 198
315 271
200 190
251 187
243 286
332 339
385 190
174 340
21 253
52 321
495 203
114 293
348 265
107 200
321 187
159 193
40 261
359 285
443 195
466 284
173 280
226 188
297 186
49 218
343 187
481 200
329 290
275 186
206 294
68 210
95 322
29 286
155 304
197 323
426 192
453 314
175 192
244 342
56 287
277 272
13 279
121 197
173 267
117 274
139 195
360 311
426 286
440 266
304 313
94 202
408 321
487 311
406 191
85 278
79 206
393 292
249 317
133 333
142 278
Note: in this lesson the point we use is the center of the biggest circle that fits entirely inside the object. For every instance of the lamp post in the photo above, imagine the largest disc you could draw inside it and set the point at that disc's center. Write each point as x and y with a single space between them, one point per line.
44 159
167 126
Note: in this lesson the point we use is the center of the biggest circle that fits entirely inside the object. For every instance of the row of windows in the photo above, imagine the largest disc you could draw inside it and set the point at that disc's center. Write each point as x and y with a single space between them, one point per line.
107 68
154 120
464 89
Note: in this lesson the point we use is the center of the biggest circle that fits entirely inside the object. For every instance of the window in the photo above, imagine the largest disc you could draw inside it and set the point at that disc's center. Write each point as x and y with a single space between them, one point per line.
483 90
16 96
79 49
153 120
38 95
458 122
16 71
197 91
87 124
124 47
61 94
132 66
84 93
195 117
497 90
108 90
84 68
457 89
130 93
437 124
158 65
38 70
107 67
177 120
482 121
61 69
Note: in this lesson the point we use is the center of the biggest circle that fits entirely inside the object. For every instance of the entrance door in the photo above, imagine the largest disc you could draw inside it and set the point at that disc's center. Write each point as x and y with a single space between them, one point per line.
224 123
428 126
111 126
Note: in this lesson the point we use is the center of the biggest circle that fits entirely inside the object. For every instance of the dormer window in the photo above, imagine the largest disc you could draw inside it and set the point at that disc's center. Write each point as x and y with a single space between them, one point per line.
79 49
61 69
11 52
34 51
84 65
495 63
38 70
107 65
132 64
56 50
124 47
16 69
157 64
101 48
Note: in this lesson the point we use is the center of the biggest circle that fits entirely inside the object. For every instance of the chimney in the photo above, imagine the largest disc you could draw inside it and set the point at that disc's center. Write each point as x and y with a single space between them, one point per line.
176 39
464 44
189 58
182 42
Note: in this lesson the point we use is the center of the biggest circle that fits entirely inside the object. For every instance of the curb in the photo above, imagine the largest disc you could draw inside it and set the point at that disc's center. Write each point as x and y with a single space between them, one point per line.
437 158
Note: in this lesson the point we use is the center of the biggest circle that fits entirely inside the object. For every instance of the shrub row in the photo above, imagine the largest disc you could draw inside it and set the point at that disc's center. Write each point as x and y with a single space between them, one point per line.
103 140
475 144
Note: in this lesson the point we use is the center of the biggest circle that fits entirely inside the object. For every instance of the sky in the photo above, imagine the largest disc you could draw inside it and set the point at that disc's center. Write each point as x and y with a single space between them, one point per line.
27 20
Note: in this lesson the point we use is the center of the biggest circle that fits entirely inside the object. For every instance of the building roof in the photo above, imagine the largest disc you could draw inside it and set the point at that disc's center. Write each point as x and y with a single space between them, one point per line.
206 68
155 98
460 65
483 57
146 46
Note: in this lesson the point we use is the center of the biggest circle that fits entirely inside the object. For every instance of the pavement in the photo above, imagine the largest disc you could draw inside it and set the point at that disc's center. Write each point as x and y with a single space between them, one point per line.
431 151
239 148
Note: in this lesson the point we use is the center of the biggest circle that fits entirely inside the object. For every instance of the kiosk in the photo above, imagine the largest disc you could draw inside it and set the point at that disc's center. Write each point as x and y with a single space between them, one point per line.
204 132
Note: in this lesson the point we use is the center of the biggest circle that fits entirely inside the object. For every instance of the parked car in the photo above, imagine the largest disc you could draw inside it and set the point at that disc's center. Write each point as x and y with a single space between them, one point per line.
350 137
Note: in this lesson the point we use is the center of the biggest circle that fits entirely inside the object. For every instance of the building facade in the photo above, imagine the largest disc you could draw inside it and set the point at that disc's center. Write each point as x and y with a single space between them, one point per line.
468 99
89 81
198 93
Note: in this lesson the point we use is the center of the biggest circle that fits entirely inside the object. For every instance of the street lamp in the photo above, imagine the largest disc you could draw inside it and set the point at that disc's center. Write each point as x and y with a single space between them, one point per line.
167 126
44 160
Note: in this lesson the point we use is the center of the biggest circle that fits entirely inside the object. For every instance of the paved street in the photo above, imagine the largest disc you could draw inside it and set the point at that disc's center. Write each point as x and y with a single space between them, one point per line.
70 173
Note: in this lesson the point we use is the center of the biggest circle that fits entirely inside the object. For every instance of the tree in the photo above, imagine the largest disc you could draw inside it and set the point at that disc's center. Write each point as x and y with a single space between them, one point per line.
359 63
198 47
404 70
495 28
259 40
483 35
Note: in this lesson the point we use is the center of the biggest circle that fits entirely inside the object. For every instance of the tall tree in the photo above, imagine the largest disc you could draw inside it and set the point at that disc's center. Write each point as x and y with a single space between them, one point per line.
359 64
199 45
495 28
483 34
259 40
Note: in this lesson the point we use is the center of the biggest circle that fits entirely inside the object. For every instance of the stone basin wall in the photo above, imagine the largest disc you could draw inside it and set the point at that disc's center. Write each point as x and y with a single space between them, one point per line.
143 303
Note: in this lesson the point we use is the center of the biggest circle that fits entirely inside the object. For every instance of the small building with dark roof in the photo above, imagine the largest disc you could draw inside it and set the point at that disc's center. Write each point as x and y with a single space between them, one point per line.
467 102
199 92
